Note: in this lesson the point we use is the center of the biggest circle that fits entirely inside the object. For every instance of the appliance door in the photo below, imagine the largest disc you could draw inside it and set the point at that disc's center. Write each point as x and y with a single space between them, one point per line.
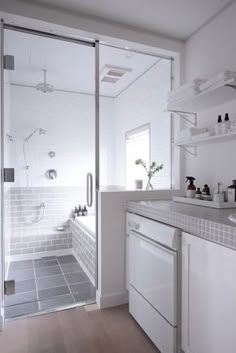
153 273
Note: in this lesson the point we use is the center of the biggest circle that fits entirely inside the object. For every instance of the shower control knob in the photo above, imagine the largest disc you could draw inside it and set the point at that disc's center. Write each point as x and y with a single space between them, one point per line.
51 174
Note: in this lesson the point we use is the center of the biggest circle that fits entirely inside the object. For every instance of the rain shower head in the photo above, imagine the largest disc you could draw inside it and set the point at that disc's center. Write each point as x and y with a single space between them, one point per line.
39 130
44 86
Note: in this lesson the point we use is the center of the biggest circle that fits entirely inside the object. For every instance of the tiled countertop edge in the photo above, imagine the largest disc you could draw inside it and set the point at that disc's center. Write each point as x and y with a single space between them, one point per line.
212 231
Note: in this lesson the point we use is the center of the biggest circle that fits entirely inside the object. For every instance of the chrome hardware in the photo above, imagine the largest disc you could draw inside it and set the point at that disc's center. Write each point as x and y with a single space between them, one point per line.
89 189
51 174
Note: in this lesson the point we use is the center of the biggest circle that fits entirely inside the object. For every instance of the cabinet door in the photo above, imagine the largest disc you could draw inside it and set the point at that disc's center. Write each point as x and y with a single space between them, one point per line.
208 297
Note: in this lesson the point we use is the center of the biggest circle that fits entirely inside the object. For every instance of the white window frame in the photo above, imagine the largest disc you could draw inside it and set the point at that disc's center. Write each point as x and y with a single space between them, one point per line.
133 132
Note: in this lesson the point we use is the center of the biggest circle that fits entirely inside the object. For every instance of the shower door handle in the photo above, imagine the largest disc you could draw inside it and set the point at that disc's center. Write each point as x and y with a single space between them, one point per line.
89 189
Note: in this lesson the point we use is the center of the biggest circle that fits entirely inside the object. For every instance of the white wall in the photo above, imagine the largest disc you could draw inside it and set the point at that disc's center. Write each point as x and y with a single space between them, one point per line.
212 50
141 103
70 123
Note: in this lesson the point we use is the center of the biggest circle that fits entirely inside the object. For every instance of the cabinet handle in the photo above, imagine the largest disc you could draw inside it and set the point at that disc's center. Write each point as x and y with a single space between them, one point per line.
89 189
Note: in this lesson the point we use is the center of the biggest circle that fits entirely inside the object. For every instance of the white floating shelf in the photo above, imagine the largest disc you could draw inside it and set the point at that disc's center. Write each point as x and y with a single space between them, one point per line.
204 203
207 140
215 95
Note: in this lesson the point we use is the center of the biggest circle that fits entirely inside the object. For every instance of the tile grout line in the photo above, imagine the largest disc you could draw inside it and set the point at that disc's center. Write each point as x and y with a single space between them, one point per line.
63 275
66 281
37 294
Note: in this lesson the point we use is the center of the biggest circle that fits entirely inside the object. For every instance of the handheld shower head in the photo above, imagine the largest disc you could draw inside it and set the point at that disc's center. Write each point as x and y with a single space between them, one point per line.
39 130
42 131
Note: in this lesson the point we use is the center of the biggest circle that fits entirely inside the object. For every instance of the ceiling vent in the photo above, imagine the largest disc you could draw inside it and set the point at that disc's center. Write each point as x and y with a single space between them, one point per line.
113 74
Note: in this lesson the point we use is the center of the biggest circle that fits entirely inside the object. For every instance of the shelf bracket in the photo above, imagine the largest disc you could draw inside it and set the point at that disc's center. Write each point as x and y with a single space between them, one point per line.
190 150
182 115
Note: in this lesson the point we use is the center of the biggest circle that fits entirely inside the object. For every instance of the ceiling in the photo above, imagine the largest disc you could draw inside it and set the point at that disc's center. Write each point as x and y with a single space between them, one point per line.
174 18
70 66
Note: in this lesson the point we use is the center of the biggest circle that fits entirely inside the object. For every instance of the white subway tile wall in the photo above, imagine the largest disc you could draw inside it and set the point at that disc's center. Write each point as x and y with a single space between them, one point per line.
84 246
27 235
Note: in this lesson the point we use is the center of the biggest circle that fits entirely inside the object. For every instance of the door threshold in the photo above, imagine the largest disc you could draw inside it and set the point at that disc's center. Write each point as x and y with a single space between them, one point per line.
54 310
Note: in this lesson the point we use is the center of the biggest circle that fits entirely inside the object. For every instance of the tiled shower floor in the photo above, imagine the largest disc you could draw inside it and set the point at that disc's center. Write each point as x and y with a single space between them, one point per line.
45 284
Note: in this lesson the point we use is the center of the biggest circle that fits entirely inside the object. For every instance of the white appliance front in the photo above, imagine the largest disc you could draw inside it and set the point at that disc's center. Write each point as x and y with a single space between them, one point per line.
153 273
163 335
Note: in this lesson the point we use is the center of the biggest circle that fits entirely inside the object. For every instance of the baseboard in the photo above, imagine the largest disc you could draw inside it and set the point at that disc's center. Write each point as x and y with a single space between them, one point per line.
111 300
38 255
92 280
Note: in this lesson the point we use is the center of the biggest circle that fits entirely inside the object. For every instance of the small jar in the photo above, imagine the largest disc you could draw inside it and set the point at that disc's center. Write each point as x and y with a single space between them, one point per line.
198 194
231 192
206 195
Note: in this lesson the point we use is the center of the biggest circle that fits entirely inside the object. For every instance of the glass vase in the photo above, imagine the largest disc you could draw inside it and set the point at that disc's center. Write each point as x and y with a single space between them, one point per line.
149 186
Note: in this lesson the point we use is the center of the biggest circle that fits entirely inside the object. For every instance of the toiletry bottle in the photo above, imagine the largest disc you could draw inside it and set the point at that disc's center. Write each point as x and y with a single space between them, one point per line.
204 191
218 126
191 189
218 194
226 124
198 194
85 211
80 211
231 192
75 213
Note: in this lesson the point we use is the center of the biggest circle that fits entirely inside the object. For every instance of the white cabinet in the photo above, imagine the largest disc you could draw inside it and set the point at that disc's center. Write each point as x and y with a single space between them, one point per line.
127 262
208 297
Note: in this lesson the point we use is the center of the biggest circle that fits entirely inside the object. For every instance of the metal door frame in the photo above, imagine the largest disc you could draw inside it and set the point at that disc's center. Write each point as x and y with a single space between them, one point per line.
90 43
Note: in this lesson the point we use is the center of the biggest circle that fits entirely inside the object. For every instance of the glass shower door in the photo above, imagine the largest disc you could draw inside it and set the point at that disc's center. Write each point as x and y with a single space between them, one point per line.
49 140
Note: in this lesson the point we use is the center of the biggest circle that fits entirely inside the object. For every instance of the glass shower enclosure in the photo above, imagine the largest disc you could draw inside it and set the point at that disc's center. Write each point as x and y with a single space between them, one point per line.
49 121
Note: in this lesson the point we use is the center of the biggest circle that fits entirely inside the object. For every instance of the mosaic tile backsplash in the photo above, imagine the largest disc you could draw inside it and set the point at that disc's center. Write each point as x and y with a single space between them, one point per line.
209 224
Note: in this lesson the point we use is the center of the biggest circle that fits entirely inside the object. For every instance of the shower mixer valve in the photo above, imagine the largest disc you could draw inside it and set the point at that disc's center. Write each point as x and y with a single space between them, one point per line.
51 174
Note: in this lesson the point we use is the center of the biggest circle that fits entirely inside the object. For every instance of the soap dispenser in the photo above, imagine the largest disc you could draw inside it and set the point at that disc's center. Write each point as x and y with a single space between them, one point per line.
226 125
191 189
218 126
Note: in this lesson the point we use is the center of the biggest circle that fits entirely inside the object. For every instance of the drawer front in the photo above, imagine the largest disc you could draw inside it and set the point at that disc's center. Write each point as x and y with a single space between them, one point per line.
153 272
163 335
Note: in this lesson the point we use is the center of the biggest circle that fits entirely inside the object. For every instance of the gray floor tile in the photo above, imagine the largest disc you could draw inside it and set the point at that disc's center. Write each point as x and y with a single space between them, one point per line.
56 302
47 271
21 265
67 259
53 292
71 268
45 263
51 282
21 275
76 277
83 296
22 309
81 287
25 286
20 298
52 288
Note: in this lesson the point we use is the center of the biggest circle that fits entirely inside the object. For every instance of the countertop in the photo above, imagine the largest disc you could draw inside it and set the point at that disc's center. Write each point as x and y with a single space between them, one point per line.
208 223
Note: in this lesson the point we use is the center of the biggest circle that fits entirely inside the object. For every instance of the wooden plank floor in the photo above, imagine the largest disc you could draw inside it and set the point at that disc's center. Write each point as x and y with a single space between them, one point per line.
80 330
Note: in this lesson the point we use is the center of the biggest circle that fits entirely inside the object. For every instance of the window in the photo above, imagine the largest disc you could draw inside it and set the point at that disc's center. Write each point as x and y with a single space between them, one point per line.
137 146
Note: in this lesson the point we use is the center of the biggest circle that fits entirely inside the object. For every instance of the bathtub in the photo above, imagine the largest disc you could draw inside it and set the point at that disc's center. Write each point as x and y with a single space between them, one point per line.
83 231
88 223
